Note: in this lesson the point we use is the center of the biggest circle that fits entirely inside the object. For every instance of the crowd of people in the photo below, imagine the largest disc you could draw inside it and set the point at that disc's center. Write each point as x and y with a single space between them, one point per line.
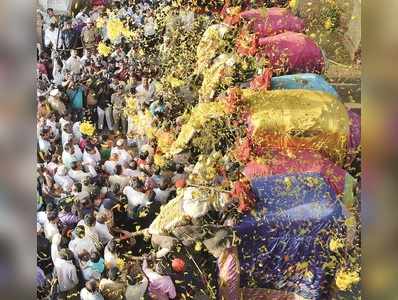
100 184
93 190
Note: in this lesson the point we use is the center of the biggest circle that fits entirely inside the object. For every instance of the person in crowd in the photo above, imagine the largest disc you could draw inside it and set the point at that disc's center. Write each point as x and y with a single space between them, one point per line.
118 102
89 36
73 64
160 286
66 274
69 39
112 287
91 291
51 37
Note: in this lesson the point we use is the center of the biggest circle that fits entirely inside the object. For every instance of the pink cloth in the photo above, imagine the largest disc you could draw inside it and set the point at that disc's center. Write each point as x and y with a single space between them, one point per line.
228 265
292 52
302 162
160 287
355 135
274 21
98 2
42 68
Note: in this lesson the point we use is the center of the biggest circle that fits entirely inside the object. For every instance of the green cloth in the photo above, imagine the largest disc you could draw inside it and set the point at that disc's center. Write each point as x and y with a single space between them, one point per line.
105 153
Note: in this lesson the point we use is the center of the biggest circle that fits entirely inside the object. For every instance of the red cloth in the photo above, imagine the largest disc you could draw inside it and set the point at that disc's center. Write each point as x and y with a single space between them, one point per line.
181 183
292 52
299 162
98 3
262 82
274 21
178 265
242 191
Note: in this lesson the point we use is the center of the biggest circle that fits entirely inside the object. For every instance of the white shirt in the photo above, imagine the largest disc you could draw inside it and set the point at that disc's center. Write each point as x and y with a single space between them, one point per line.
103 233
137 291
41 217
73 64
132 173
66 137
51 37
64 181
91 159
91 232
145 95
78 245
149 27
124 156
66 274
51 167
78 175
86 295
58 74
50 230
68 158
134 197
76 130
53 126
110 167
44 145
162 196
119 179
110 259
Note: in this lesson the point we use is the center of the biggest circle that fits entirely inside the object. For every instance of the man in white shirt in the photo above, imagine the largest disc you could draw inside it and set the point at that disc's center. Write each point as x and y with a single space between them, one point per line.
81 242
132 171
61 177
86 57
76 172
71 154
110 165
119 178
102 228
66 273
50 227
136 288
51 37
73 63
135 195
91 233
91 292
119 149
91 155
67 133
145 92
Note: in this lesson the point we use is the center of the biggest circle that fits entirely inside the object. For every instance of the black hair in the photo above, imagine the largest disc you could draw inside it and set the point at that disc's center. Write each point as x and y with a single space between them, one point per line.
95 256
89 220
78 186
119 170
180 168
116 188
133 165
151 196
74 165
52 215
137 184
144 154
113 273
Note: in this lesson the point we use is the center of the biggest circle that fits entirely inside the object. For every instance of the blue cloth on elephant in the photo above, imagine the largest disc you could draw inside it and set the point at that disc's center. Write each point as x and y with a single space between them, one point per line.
290 227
